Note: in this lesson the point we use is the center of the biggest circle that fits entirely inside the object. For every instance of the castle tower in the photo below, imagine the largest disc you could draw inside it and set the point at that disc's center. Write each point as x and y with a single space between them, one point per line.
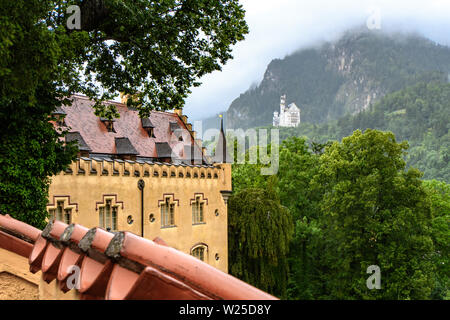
282 103
289 116
276 119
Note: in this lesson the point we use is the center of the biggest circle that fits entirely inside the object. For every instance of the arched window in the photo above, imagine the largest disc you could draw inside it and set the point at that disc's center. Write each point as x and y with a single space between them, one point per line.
200 252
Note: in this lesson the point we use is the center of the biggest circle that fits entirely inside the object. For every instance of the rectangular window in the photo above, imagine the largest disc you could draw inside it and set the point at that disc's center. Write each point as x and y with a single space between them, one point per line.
101 217
200 215
197 211
194 212
68 216
61 213
51 214
108 214
59 210
172 214
167 214
163 215
114 218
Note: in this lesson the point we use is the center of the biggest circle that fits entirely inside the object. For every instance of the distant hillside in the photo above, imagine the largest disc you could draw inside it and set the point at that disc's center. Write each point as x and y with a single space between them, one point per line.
343 77
419 114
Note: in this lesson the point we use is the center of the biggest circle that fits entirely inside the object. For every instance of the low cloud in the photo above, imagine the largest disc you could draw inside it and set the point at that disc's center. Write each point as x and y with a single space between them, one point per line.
278 28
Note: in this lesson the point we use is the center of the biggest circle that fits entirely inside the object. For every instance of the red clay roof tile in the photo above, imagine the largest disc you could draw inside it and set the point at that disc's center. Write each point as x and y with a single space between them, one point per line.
14 226
37 254
50 262
69 259
14 244
193 272
94 277
151 284
54 251
120 283
160 241
123 266
95 267
72 256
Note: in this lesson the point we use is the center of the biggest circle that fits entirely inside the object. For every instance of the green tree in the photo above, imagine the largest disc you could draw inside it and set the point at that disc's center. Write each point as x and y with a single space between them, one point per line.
152 51
439 193
373 213
297 168
259 231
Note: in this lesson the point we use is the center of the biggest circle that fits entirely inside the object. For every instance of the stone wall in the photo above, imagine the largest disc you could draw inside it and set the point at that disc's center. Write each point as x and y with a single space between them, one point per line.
16 282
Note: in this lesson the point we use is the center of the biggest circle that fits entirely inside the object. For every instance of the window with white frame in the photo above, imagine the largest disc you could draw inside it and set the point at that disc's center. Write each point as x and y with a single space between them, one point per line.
199 252
168 213
108 215
198 210
61 212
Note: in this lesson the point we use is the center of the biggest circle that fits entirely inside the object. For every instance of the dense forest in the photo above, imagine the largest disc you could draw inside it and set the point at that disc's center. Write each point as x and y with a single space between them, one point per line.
347 195
363 181
333 210
419 114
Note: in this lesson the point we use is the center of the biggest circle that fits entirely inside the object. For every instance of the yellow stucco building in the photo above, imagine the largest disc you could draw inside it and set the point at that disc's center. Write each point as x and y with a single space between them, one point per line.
181 204
148 176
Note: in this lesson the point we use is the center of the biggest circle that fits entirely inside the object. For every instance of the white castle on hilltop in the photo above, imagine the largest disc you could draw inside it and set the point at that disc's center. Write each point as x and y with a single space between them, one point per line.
289 116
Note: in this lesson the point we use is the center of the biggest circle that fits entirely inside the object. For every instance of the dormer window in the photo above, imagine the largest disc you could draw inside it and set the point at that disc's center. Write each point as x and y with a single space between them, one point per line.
148 126
109 124
150 132
60 120
59 115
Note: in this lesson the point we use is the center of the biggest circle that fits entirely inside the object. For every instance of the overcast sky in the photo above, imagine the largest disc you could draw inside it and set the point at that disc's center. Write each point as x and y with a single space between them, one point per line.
280 27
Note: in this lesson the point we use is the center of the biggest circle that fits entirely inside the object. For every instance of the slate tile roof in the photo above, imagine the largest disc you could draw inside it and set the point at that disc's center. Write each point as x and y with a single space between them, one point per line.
59 111
76 136
146 123
163 149
119 265
80 118
124 146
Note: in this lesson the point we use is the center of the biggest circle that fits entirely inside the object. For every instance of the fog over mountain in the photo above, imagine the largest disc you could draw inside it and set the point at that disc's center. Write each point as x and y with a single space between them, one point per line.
341 77
280 28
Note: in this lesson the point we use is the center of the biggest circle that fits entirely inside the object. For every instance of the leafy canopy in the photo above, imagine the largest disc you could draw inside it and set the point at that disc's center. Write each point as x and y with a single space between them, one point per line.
153 51
374 213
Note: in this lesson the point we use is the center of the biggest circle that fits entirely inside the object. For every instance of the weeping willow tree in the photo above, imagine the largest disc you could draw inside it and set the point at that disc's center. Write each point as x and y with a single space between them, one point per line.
259 232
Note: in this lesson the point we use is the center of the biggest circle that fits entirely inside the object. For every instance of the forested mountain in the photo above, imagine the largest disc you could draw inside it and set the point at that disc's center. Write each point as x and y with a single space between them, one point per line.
357 202
343 77
419 114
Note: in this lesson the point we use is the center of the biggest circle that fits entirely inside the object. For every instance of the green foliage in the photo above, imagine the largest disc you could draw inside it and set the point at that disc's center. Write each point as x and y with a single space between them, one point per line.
354 204
419 114
30 78
297 167
439 193
154 51
374 213
259 231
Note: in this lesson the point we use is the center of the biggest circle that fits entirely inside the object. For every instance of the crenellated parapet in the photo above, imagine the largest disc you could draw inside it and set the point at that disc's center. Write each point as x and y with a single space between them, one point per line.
93 166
